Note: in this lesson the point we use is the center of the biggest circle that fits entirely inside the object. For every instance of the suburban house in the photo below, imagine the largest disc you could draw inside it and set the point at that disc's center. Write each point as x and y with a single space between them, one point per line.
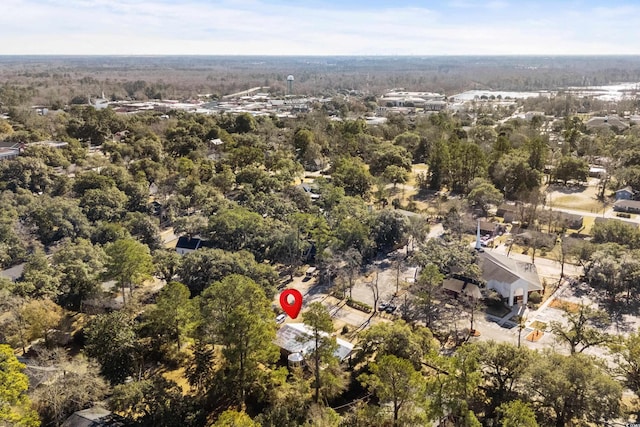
606 122
561 219
629 206
296 341
491 228
512 279
10 150
13 273
94 417
572 221
508 212
188 244
625 193
309 191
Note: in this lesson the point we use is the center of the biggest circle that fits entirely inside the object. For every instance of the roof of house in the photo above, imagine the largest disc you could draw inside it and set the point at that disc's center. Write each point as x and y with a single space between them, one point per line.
297 338
13 273
185 242
507 208
193 243
52 144
545 215
94 417
487 226
569 216
6 152
37 374
499 267
627 189
462 287
607 121
635 204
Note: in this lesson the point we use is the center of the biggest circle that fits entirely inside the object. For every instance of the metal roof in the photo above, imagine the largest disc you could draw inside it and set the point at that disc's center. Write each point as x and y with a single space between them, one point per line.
508 270
297 338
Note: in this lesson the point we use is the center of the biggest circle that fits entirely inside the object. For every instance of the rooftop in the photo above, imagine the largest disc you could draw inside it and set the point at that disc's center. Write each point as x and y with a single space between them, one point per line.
297 338
94 417
499 267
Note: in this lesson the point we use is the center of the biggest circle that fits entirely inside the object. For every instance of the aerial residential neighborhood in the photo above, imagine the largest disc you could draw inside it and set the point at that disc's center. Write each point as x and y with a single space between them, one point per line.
319 214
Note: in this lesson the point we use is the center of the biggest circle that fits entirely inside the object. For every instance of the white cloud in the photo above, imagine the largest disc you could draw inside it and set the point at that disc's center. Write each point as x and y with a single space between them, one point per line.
256 27
497 4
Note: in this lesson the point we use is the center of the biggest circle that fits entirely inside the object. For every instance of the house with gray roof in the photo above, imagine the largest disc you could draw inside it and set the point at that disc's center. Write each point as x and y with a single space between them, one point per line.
629 206
94 417
612 121
625 193
298 338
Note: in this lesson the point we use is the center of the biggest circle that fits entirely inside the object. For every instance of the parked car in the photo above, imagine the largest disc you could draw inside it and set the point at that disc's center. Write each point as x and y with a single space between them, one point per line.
280 318
383 306
390 308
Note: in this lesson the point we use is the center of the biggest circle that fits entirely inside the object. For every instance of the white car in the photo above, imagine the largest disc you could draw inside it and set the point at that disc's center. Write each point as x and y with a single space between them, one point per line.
280 318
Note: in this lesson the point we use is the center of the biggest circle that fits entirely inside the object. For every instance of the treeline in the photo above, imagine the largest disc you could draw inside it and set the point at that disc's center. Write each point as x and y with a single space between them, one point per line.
56 81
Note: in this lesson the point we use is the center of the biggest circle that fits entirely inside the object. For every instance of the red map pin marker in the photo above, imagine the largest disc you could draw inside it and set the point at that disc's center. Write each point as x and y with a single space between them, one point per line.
292 310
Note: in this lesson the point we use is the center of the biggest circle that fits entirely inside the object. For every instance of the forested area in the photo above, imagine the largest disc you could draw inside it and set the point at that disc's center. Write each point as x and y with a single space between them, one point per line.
167 340
56 81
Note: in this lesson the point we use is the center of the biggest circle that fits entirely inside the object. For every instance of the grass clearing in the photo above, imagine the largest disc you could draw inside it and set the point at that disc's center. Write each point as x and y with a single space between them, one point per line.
178 376
561 304
578 202
538 325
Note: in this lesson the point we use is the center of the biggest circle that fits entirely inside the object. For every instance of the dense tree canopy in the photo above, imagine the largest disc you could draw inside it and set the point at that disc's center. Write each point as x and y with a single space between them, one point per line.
15 406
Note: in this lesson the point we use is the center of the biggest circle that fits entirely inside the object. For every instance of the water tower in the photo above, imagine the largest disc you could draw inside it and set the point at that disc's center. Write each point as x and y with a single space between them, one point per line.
290 84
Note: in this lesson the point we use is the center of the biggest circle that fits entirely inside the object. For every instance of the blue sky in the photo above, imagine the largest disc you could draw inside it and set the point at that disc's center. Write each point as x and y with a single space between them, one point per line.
317 27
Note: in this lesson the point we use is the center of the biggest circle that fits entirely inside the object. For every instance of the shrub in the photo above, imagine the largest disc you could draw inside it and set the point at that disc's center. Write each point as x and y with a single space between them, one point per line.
535 297
358 305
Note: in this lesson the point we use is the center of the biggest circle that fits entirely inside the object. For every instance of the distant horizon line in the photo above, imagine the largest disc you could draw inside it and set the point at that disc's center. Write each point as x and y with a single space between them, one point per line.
151 55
